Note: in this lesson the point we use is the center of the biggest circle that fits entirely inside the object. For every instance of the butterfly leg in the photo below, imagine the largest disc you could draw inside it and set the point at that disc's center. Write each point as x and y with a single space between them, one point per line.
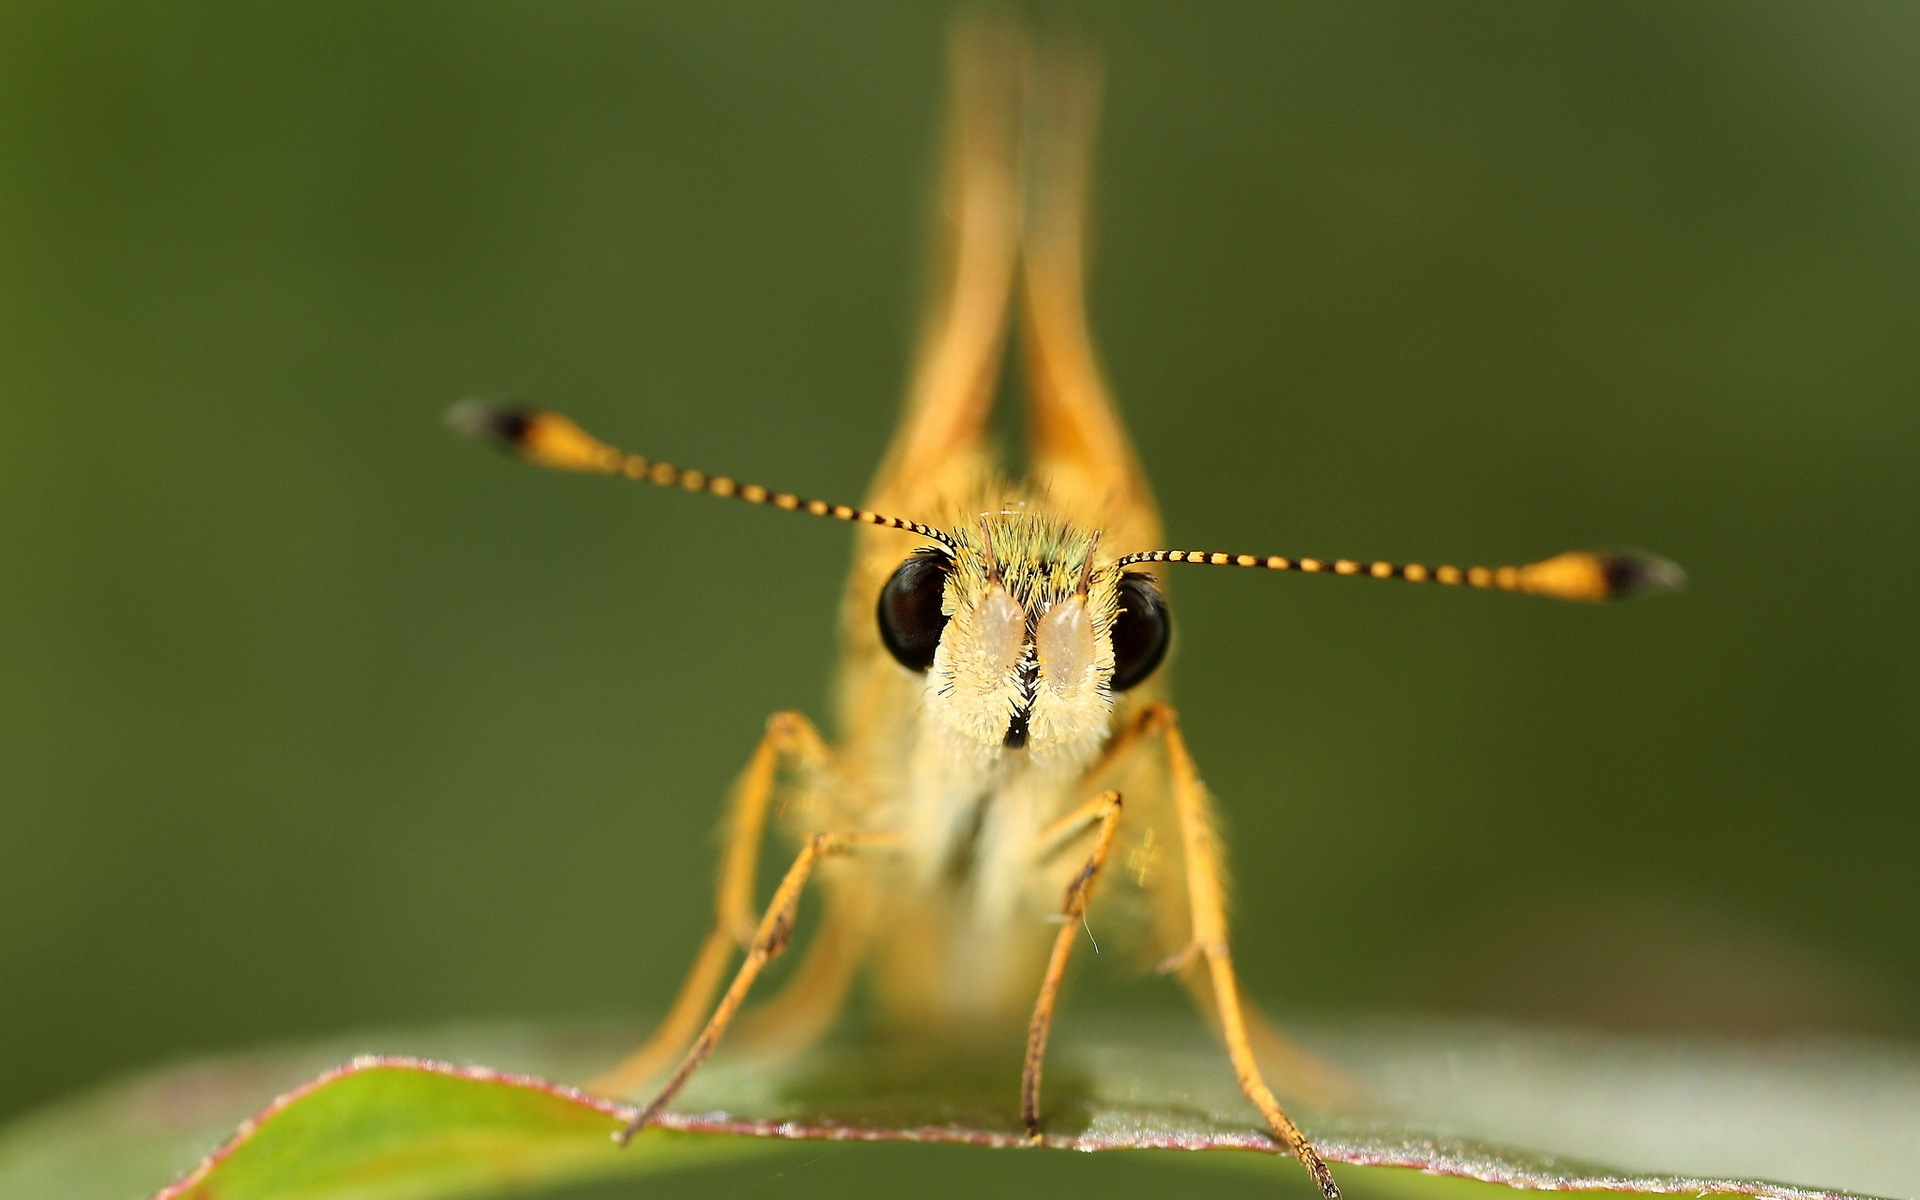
1102 813
769 939
804 1009
790 741
1304 1075
1208 910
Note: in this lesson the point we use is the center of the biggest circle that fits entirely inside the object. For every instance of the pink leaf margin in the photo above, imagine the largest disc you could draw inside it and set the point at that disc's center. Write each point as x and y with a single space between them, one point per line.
1434 1157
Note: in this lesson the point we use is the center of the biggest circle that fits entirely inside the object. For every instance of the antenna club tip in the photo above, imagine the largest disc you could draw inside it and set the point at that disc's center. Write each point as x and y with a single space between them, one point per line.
1598 576
1631 573
543 438
490 418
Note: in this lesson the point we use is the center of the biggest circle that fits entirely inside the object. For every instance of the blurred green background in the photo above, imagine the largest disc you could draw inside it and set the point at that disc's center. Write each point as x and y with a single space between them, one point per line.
316 719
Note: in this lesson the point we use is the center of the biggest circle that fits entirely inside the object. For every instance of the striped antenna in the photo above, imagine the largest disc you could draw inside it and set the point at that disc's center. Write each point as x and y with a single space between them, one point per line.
548 439
1590 576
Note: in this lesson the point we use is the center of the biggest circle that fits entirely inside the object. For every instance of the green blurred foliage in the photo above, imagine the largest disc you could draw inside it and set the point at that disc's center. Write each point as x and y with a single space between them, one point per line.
312 718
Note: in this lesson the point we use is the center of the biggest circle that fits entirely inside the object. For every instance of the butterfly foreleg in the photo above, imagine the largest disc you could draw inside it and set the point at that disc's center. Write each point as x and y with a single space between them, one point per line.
769 939
1102 814
1209 949
790 742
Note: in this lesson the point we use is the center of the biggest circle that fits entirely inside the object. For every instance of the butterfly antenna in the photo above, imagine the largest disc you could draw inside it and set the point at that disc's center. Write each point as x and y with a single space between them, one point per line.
547 439
1591 576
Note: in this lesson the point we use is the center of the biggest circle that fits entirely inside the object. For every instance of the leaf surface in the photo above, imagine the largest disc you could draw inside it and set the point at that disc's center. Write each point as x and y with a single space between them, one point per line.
1527 1110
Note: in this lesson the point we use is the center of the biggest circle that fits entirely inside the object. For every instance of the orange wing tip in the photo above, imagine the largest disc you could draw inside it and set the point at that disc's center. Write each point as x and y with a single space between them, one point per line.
1596 576
542 438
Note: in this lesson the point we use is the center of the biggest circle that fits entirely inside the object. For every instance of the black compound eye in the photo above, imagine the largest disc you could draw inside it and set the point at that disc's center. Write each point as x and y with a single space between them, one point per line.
1141 630
910 618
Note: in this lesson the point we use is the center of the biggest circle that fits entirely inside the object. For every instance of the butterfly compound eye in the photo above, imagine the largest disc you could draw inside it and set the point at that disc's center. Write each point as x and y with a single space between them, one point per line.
910 618
1141 630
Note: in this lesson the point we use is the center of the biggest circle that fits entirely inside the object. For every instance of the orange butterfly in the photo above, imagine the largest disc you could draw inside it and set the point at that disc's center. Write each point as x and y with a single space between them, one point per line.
1003 724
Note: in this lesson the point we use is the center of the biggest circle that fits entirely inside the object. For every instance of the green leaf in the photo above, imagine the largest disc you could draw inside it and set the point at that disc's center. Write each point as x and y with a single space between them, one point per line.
1442 1099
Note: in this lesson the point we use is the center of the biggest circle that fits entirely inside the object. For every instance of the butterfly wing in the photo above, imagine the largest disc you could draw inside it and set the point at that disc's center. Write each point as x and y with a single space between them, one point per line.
1079 453
940 461
939 454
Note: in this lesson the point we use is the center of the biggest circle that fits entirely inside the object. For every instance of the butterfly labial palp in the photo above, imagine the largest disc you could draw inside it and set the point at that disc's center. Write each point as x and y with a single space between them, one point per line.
1003 728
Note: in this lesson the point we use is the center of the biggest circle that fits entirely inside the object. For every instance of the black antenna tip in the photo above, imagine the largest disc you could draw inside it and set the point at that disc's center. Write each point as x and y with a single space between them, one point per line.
1631 573
491 419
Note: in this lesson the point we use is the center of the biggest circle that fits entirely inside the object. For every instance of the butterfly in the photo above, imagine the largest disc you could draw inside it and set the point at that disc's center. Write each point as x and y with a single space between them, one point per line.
1004 746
